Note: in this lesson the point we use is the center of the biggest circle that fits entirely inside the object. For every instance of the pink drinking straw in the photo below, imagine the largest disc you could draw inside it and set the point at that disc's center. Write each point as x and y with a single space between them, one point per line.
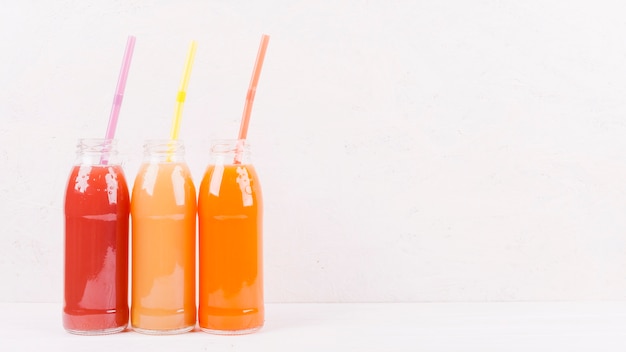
247 109
119 92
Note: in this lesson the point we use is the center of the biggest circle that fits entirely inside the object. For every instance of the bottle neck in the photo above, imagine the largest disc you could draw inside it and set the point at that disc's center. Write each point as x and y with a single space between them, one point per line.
163 150
97 151
230 151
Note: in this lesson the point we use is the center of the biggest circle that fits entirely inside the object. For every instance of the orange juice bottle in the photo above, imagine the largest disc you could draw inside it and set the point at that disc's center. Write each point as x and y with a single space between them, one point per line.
163 211
230 215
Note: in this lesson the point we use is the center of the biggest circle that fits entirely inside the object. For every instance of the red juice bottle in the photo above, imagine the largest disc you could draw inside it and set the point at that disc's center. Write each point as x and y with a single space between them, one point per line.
97 206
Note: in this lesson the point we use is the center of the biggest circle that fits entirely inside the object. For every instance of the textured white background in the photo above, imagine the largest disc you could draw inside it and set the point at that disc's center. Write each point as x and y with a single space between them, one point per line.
408 150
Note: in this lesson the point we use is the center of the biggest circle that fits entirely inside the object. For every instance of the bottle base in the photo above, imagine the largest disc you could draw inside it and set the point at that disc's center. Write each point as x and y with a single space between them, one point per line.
95 322
164 332
232 332
97 332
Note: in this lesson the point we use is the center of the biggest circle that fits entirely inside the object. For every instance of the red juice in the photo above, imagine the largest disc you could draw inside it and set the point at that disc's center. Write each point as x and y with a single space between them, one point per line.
97 207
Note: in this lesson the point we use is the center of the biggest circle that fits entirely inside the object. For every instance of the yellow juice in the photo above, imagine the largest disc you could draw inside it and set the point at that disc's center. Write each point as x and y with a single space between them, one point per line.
163 210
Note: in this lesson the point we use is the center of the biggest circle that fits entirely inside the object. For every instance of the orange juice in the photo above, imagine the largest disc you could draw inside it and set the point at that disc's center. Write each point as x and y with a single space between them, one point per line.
163 210
230 214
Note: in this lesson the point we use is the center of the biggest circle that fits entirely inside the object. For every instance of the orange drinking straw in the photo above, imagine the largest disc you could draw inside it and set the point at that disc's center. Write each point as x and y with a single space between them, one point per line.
247 109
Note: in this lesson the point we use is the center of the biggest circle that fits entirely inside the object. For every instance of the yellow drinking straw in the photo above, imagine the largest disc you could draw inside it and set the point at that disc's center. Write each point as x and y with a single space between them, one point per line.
182 92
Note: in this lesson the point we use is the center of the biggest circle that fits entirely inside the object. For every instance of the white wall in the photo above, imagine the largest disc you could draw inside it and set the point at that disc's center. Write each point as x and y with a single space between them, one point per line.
408 150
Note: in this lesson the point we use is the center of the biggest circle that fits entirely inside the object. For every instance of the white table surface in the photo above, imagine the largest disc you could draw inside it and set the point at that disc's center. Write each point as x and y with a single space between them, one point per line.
545 326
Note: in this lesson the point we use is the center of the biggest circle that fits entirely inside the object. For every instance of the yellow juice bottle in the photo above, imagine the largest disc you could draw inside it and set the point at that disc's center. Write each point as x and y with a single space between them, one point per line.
163 213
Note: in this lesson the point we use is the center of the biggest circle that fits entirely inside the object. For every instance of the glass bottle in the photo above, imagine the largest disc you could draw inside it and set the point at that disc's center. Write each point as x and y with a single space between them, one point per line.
96 241
163 211
230 215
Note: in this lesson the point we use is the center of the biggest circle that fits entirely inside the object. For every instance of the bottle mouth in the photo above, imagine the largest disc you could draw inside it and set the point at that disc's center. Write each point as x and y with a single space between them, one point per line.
163 146
226 146
97 151
96 145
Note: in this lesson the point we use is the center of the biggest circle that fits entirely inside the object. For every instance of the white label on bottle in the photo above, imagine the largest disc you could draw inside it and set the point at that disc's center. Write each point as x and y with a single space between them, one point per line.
178 181
244 185
112 186
216 177
149 178
82 179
